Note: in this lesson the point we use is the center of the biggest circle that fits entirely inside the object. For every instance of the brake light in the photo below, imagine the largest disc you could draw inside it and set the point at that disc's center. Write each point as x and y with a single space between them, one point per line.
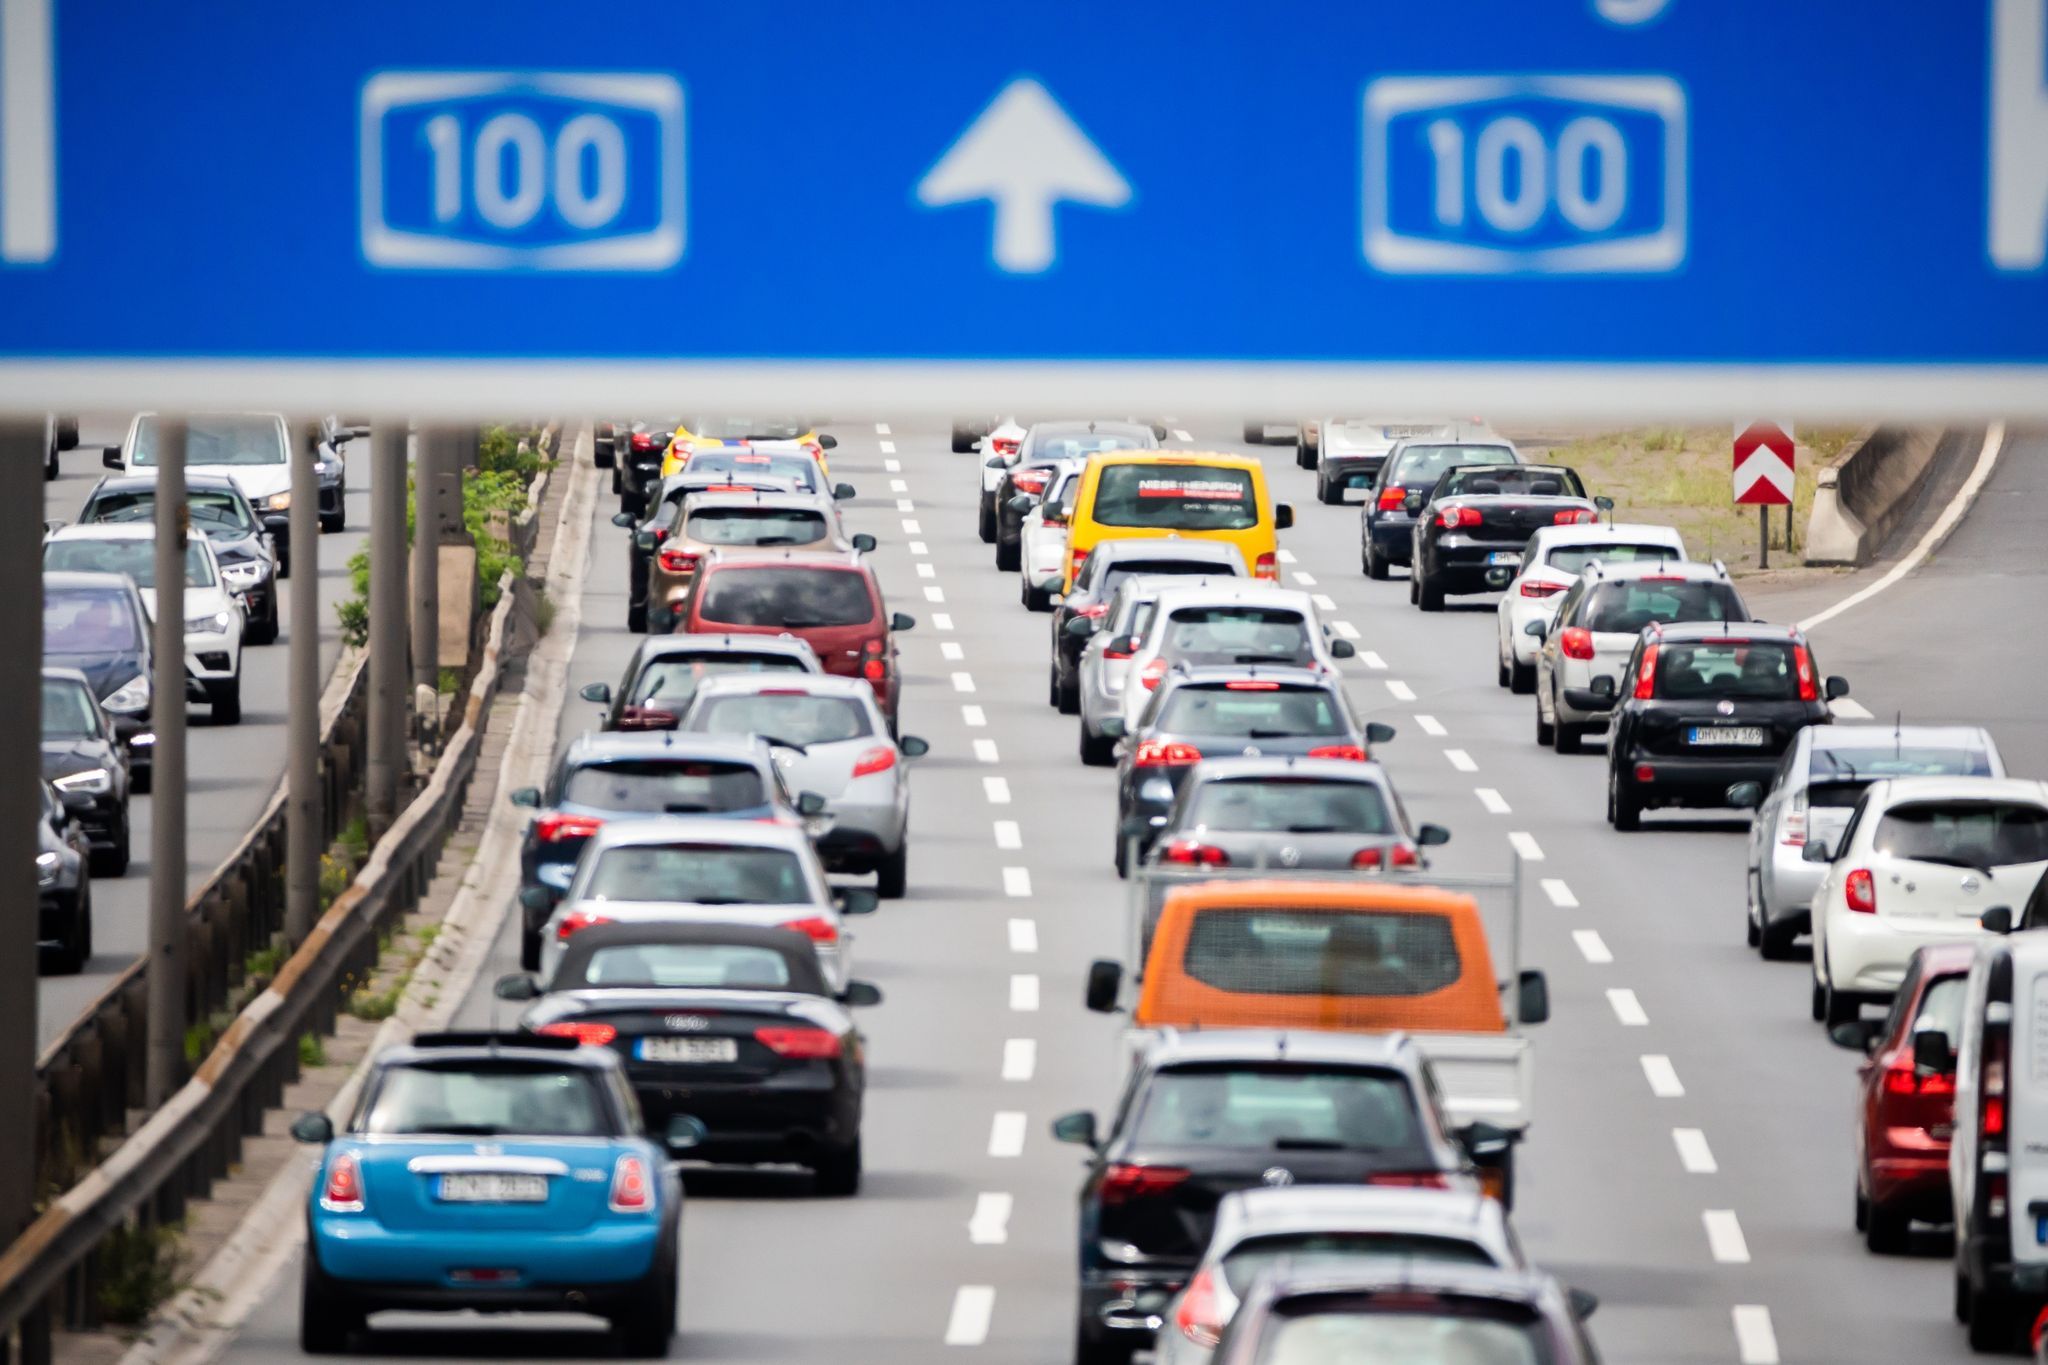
1451 516
677 560
1123 1182
1532 587
804 1044
576 921
1200 1317
1005 445
589 1034
1646 676
1193 853
1903 1078
1795 822
1109 653
642 441
1251 685
1268 568
552 829
876 760
817 928
1395 855
1155 753
1645 773
1576 516
631 1191
1802 664
1346 751
1997 1043
1859 889
875 666
1033 483
343 1192
1079 557
1392 497
1409 1180
817 452
1152 672
1576 642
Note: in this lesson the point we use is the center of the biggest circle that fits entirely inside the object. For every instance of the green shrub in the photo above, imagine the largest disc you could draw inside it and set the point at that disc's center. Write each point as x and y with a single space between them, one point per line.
140 1268
312 1052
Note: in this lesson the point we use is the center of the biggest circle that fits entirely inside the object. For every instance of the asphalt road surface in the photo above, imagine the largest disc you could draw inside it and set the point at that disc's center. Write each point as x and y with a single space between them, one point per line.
232 770
1690 1159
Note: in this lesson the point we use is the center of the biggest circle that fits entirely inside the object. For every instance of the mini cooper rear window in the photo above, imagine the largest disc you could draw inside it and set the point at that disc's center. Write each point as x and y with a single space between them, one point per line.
1176 497
1321 952
486 1101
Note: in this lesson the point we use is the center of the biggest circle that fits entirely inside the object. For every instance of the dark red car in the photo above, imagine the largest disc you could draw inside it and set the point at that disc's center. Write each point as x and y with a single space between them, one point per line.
1905 1102
831 602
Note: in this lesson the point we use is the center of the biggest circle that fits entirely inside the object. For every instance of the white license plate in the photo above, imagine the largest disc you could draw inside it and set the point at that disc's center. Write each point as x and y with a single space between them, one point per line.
1505 557
1737 736
494 1189
689 1050
1403 433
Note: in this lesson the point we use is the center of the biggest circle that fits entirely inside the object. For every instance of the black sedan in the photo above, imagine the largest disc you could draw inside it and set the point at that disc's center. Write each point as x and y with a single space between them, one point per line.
86 763
1386 523
64 888
244 543
1471 527
1703 706
731 1024
95 623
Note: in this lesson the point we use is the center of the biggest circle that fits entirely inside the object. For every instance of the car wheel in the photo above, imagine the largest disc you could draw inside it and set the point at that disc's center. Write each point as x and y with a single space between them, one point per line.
1624 812
141 777
892 874
1752 918
1375 567
50 469
1090 1350
988 520
1068 698
1123 852
1414 586
1774 941
636 617
529 949
1097 751
838 1171
326 1318
1838 1007
330 522
1993 1323
1305 455
1817 1002
113 862
1521 679
1501 670
1036 599
1428 595
648 1324
73 949
1886 1232
1862 1211
1565 737
1326 492
963 440
618 481
226 699
1543 727
1009 558
1254 433
264 631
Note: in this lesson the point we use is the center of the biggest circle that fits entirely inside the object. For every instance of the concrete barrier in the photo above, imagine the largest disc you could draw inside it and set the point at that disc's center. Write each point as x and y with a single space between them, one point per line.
1861 498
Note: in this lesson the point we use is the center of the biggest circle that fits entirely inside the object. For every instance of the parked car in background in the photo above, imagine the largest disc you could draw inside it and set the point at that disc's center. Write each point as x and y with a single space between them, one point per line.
86 763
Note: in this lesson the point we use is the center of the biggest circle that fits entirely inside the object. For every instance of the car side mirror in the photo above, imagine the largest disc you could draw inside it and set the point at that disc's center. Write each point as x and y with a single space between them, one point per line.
1537 629
1532 997
864 543
1080 627
1816 851
995 462
810 803
1431 836
913 746
278 526
1584 1303
110 456
856 900
1283 516
601 693
536 898
861 994
1857 1035
645 541
1113 728
1378 732
517 986
525 796
1105 982
1343 649
842 491
1605 504
313 1127
624 519
827 441
1602 686
1021 504
1996 920
1838 687
1412 504
684 1131
1158 431
1931 1050
1484 1141
1077 1128
902 621
1745 795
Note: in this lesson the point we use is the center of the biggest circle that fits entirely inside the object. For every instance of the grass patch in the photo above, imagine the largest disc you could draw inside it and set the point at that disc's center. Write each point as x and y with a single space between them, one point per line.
312 1051
140 1267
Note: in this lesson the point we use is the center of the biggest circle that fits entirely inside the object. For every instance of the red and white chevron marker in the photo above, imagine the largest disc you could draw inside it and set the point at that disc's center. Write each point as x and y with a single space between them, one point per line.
1763 464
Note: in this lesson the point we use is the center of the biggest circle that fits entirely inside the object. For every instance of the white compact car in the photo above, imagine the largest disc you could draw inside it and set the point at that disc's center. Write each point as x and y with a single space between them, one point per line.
1228 621
213 616
998 452
1921 860
1551 563
1044 537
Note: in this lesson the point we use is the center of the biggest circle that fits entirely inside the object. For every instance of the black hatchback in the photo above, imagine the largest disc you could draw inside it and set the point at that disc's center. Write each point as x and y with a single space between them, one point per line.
1703 706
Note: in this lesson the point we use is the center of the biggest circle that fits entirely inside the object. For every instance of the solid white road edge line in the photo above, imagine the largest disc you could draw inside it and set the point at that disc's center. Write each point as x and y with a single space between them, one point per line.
1693 1152
973 1306
989 1225
1756 1342
1724 1237
1662 1076
1020 1058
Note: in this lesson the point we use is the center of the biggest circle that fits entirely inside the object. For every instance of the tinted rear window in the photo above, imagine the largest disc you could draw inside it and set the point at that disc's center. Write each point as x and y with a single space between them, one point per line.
1291 805
1573 558
1230 566
1756 670
1625 608
1201 709
1182 497
705 874
1317 1249
1532 481
1421 465
671 681
1224 635
1901 760
1321 952
710 966
1302 1108
1488 1335
789 718
756 526
1965 833
800 470
654 787
505 1097
791 597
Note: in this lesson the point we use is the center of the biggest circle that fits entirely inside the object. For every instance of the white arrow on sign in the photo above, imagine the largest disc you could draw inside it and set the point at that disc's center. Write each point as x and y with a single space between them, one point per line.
28 136
1024 153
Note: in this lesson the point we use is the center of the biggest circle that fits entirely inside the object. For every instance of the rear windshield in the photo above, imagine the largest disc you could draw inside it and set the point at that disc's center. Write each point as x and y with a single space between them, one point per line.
1337 1249
68 712
212 509
1625 608
1485 1335
1421 465
662 966
1299 1108
1533 481
788 596
1573 558
1761 670
655 787
1901 760
1228 566
1178 497
89 621
784 717
669 682
756 526
702 874
1321 952
1291 805
136 558
215 441
745 428
1202 709
1237 635
801 470
1079 445
1978 834
504 1097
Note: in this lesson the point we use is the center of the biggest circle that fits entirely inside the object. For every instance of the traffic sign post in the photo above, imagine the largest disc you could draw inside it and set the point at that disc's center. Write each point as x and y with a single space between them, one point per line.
1766 476
1489 205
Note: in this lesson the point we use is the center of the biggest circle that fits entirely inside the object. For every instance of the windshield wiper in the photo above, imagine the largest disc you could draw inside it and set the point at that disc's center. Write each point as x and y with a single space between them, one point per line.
1271 734
778 742
1312 829
465 1129
1302 1144
1265 659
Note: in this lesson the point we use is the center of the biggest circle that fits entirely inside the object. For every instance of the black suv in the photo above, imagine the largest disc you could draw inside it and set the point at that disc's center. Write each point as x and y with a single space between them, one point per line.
1703 706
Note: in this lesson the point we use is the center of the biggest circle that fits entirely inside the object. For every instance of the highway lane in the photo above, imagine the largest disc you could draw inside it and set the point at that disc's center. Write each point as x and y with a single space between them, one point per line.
232 769
1690 1157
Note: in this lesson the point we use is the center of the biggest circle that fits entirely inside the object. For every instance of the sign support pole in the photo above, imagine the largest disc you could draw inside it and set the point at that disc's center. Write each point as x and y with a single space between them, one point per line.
166 1056
304 819
387 624
21 666
1763 536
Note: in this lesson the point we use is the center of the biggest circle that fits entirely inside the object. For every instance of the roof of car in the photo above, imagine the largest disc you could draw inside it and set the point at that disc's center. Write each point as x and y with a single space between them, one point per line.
810 684
796 949
1086 425
692 829
1600 533
660 646
82 579
1236 769
754 557
124 483
1339 1208
1528 1287
599 746
1692 571
1238 590
1893 791
483 1047
793 498
70 675
1880 736
1222 675
1177 1047
1687 632
106 530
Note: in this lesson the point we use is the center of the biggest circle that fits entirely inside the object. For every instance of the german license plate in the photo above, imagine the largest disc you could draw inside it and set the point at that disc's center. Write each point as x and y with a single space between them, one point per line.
689 1050
493 1189
1733 736
1505 557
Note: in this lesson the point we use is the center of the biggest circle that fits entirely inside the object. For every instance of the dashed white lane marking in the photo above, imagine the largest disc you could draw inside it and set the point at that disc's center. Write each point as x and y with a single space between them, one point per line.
1024 992
1372 661
891 466
951 652
1662 1076
1308 580
933 593
1286 556
926 570
1724 1237
882 429
1431 726
1402 691
1495 803
1560 895
912 527
973 717
1627 1008
1323 601
990 1223
887 447
985 751
1592 947
905 505
1008 835
1020 1058
942 620
1345 629
1006 1133
963 682
1461 760
1848 708
1524 843
918 547
1180 435
973 1306
1023 935
1016 881
997 790
1756 1342
898 486
1693 1152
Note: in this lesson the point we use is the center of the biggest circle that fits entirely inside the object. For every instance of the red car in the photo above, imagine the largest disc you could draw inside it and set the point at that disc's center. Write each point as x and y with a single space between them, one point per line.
1905 1106
830 602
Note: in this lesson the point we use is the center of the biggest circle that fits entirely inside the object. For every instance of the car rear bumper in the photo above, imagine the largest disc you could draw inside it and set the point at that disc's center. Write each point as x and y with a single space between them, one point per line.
785 1118
1788 891
1867 954
374 1261
1392 540
1457 566
1916 1185
1127 1301
1699 783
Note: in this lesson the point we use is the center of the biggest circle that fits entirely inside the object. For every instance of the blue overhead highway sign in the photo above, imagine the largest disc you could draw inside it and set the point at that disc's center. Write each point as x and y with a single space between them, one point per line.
441 204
